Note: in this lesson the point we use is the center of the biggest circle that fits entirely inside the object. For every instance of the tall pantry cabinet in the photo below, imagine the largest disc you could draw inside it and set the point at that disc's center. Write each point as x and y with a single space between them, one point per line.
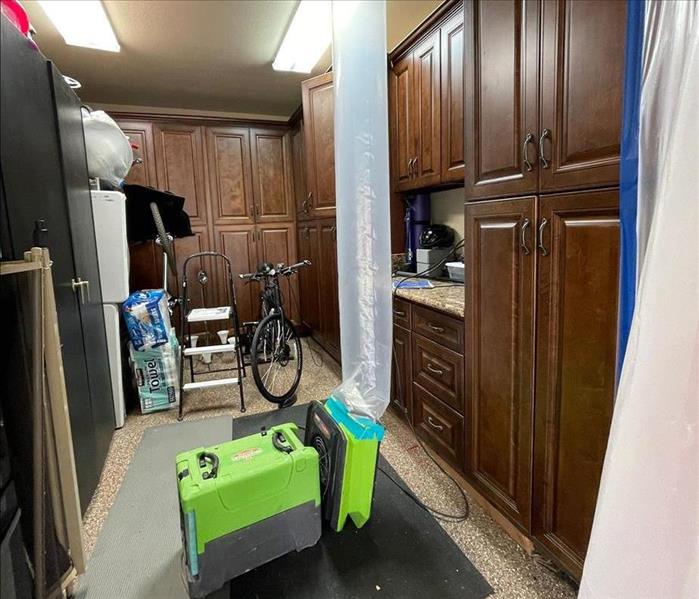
542 118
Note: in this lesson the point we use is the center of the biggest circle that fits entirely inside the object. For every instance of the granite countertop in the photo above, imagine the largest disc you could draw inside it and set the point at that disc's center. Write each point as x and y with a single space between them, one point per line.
444 296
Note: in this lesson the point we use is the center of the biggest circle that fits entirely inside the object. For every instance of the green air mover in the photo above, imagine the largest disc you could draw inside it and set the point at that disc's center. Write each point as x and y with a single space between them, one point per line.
348 448
246 502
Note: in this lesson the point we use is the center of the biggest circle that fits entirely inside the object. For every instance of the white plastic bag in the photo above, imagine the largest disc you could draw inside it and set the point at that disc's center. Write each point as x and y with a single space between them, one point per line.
109 154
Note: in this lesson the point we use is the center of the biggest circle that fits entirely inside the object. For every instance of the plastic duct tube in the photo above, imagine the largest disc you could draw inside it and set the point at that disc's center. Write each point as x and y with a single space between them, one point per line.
362 196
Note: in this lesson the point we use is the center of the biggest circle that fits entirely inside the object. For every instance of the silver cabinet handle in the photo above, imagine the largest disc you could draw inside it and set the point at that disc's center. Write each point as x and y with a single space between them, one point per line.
399 313
542 159
525 151
542 247
83 287
410 167
415 166
437 427
434 370
309 201
435 327
523 240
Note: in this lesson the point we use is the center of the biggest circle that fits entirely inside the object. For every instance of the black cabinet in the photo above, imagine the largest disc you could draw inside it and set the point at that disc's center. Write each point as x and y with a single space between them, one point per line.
44 177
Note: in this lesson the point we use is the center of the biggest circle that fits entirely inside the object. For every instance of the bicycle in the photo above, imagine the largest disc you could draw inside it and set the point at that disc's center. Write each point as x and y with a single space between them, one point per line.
276 358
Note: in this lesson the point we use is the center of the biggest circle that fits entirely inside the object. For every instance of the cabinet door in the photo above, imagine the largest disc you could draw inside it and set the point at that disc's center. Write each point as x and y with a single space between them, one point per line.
452 65
238 243
200 296
179 155
401 372
402 122
575 370
500 101
308 249
298 163
427 169
329 306
230 175
271 175
319 137
499 351
277 243
581 93
140 134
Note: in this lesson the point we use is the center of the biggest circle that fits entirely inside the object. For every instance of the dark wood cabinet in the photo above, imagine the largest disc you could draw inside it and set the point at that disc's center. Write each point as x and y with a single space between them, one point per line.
575 366
439 426
427 168
298 164
277 244
582 78
543 95
401 372
230 175
140 134
499 351
271 175
501 97
328 289
452 67
309 249
402 122
179 160
319 139
439 371
238 242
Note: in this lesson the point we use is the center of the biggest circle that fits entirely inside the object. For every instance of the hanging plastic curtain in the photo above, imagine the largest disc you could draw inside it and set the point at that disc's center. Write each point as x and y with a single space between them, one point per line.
645 536
362 199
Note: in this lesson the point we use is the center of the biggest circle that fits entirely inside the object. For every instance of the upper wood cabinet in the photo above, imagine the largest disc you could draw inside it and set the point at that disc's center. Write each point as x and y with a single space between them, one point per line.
500 102
230 175
319 139
513 144
140 134
298 164
271 175
499 351
582 80
578 282
427 168
401 97
426 99
452 64
179 155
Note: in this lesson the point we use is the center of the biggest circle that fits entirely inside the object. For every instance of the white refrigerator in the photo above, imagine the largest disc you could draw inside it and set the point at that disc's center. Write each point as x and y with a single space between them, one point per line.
109 215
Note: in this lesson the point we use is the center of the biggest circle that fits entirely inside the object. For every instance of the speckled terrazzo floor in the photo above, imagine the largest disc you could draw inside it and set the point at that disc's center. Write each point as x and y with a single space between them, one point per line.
507 568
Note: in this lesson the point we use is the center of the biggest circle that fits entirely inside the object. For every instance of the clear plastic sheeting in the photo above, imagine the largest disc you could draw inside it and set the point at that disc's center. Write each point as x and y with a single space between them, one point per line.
109 153
362 196
645 535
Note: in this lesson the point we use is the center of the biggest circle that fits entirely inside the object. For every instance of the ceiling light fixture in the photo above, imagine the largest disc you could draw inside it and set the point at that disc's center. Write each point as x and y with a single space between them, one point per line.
306 39
82 23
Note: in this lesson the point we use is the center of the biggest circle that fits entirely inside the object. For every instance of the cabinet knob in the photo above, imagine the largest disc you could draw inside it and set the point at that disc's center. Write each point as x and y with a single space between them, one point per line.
434 425
529 139
542 159
523 239
542 247
434 370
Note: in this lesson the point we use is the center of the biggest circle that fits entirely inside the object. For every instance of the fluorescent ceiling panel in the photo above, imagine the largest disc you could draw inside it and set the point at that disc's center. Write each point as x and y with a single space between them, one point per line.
306 39
82 23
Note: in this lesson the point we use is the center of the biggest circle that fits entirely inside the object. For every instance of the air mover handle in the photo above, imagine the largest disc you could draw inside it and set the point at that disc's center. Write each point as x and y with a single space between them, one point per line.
205 458
280 442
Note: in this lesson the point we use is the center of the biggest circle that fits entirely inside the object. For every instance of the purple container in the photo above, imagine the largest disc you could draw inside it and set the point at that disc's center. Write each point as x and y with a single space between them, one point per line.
417 219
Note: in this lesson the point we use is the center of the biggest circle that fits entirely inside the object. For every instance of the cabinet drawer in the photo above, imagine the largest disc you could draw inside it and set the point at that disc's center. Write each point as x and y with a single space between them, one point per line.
440 371
401 313
439 426
439 327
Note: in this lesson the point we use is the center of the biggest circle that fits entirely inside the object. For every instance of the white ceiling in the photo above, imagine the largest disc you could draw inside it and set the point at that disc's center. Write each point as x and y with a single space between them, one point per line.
209 55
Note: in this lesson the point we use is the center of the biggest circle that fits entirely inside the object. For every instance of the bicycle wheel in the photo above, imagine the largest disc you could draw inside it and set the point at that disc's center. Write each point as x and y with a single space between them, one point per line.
165 242
276 358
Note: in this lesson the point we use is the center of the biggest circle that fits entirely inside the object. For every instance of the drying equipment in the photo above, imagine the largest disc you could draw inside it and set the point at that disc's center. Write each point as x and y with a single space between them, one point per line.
348 449
246 502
